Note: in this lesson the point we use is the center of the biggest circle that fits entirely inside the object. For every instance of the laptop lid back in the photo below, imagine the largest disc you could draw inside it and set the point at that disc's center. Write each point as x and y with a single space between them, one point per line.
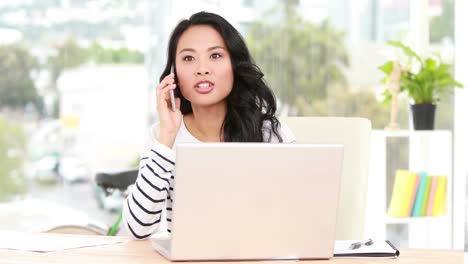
255 201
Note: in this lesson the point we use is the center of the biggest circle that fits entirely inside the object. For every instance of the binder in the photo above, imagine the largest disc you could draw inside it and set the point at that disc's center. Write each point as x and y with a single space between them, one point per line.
432 193
379 249
418 203
440 196
402 193
413 195
427 188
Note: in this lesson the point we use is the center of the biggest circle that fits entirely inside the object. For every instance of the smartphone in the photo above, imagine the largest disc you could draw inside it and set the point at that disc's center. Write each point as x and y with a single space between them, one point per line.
171 94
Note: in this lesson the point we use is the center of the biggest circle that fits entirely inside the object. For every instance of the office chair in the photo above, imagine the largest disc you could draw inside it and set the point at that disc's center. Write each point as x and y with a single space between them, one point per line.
109 182
354 134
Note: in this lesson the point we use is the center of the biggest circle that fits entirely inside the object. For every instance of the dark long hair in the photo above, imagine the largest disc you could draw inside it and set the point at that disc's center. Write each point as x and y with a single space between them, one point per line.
251 102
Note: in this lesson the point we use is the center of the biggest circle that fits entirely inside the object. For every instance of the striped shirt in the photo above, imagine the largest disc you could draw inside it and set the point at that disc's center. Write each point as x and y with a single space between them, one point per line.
148 207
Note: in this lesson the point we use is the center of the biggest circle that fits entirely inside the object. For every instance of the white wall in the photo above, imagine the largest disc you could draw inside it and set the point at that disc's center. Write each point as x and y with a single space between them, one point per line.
460 126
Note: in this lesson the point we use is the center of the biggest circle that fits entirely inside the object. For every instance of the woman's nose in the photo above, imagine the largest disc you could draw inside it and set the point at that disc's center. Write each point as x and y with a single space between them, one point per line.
203 72
202 69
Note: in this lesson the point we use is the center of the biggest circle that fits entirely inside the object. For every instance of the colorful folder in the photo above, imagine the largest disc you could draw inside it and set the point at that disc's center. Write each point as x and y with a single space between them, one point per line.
427 189
413 195
419 201
440 207
432 193
403 188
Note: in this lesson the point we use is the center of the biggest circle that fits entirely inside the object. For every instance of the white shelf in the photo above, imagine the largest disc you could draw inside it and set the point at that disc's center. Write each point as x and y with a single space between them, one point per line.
415 220
429 151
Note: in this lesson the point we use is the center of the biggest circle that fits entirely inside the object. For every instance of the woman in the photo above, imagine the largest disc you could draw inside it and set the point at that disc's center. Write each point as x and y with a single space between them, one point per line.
221 97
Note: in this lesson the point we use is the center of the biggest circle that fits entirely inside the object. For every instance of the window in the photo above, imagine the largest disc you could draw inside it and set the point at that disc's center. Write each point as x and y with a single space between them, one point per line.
77 82
248 3
73 79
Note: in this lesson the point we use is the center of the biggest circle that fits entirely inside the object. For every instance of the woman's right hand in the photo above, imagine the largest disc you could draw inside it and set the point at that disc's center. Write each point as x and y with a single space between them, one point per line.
169 121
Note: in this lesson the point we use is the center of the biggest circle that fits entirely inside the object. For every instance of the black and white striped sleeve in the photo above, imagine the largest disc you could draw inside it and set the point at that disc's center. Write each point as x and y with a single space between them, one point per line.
144 205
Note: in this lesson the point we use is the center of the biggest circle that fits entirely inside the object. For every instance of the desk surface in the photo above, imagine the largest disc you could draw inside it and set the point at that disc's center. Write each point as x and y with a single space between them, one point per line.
130 251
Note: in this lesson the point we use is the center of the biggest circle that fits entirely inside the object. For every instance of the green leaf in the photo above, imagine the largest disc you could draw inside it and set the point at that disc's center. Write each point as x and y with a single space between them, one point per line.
457 84
387 68
430 64
387 97
407 50
444 67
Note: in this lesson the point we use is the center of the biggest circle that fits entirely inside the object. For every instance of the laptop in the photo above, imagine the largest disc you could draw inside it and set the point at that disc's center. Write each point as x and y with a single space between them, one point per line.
253 201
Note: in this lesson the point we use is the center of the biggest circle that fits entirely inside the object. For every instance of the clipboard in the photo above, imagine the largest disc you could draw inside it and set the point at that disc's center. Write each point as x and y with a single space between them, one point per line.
378 249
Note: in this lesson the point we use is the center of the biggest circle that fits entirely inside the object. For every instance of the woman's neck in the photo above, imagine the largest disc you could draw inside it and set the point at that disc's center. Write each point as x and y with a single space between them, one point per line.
205 124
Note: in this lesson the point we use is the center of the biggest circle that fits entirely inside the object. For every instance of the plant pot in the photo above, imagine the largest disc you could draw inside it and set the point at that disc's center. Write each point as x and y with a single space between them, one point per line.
423 116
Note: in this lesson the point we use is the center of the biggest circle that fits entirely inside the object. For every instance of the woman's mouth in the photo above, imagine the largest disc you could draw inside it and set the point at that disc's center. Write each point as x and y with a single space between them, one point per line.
204 87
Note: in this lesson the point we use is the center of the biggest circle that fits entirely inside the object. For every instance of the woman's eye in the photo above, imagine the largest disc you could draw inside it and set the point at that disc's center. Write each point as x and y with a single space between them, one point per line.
215 55
187 58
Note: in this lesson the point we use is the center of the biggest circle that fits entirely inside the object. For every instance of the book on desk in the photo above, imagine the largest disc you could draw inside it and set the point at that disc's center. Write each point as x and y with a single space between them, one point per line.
365 248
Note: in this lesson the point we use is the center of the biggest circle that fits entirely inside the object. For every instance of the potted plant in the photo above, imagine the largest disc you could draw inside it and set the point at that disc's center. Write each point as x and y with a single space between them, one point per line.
424 80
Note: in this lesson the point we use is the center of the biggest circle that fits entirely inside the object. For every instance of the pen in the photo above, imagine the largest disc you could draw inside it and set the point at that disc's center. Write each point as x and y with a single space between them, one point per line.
171 93
358 244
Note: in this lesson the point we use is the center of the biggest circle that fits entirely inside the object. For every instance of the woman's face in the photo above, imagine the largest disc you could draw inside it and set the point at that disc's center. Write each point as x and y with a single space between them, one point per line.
203 66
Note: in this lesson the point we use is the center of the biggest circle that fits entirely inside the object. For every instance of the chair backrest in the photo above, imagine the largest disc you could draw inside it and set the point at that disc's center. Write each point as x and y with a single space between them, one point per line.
354 134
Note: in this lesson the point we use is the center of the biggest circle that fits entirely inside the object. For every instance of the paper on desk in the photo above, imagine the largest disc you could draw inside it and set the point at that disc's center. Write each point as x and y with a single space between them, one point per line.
380 248
51 242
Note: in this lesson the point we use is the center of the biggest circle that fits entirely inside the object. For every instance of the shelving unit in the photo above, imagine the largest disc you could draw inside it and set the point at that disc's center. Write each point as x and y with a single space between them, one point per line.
429 151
